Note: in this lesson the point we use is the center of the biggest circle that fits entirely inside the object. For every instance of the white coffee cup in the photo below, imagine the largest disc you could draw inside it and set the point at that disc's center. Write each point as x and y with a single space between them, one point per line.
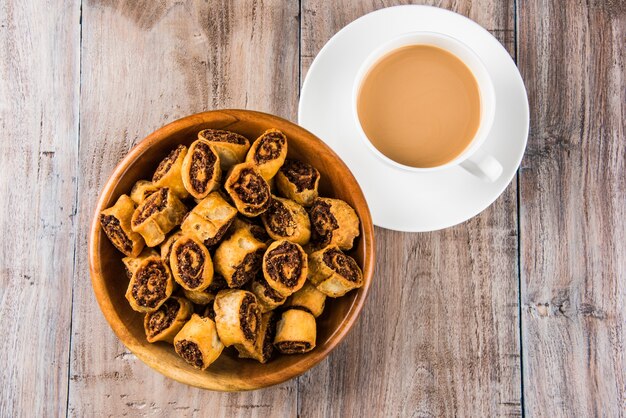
473 159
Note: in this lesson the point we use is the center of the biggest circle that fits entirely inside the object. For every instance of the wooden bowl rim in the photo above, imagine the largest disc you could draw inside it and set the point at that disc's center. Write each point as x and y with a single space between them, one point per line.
121 330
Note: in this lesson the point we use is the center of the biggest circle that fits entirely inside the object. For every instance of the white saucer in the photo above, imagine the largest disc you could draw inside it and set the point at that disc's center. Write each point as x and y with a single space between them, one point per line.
399 199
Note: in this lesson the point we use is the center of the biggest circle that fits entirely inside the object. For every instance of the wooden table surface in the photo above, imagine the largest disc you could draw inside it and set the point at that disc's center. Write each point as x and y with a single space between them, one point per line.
519 311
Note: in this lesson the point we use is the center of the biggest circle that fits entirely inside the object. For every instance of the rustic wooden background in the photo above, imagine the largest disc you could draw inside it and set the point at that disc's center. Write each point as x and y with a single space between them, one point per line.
519 311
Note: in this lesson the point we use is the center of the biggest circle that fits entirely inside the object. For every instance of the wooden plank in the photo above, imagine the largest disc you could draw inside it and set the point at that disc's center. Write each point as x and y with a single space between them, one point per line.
39 83
573 188
439 335
145 64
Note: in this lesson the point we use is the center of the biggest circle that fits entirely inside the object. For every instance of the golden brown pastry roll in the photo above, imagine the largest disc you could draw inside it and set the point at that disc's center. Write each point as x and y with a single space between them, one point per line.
164 323
203 297
141 190
191 263
237 317
267 297
295 332
166 246
285 219
238 257
168 173
230 146
201 169
298 181
333 221
210 219
248 189
150 286
285 267
198 343
309 299
132 263
333 272
264 347
157 215
268 152
116 224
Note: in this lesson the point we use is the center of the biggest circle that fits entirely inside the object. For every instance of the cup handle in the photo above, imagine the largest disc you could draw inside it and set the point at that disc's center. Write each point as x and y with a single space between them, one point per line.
483 166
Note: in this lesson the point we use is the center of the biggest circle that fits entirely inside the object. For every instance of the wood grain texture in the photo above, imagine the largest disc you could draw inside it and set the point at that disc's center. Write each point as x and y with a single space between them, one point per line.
145 64
573 206
439 334
39 82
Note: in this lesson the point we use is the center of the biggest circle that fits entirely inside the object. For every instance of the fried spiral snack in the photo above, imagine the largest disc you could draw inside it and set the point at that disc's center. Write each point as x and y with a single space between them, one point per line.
198 343
201 169
116 224
285 267
141 190
203 297
333 272
333 221
238 258
150 286
298 181
166 246
132 263
210 219
295 332
268 152
168 173
308 298
157 215
237 317
267 297
285 219
264 347
191 263
164 323
230 146
248 190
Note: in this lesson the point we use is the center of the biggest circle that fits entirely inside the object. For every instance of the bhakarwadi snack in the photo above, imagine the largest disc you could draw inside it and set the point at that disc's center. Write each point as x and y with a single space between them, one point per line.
263 348
298 181
164 323
285 219
165 248
237 317
295 332
333 221
141 190
334 273
201 170
308 298
230 146
191 263
150 285
198 343
257 281
285 267
168 173
157 215
268 152
267 297
209 219
132 263
116 224
248 190
238 258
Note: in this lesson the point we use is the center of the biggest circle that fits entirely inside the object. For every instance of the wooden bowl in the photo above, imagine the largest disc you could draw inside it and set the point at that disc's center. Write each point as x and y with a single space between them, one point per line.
228 373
